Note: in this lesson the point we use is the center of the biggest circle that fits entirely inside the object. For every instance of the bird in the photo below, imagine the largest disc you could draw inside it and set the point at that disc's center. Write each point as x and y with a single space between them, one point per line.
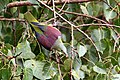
47 35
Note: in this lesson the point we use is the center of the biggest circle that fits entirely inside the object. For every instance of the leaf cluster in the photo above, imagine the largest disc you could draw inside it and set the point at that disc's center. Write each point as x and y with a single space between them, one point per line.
94 56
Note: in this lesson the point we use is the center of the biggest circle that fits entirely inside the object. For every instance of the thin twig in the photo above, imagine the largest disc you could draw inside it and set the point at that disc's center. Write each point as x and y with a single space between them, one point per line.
72 43
62 7
9 57
2 54
72 54
54 11
92 24
89 60
58 62
51 19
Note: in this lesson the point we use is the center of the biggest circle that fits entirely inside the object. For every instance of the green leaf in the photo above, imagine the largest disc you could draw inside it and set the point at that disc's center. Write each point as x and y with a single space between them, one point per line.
116 77
115 59
92 54
13 10
28 74
84 9
85 69
101 45
119 61
97 34
21 15
81 50
109 14
6 73
18 70
72 8
99 70
56 77
113 34
101 77
3 4
93 9
67 64
66 37
77 63
78 74
49 71
33 1
24 47
36 67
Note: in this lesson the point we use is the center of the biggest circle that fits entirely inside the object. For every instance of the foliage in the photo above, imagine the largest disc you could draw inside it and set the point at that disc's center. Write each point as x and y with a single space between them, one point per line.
94 54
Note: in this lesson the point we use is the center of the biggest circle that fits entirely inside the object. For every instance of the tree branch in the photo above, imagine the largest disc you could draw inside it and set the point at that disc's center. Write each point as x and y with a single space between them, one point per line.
27 3
92 24
84 15
11 19
18 4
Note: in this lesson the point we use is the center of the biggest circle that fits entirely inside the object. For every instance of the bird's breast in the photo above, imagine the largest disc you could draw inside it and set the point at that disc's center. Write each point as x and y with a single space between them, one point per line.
49 36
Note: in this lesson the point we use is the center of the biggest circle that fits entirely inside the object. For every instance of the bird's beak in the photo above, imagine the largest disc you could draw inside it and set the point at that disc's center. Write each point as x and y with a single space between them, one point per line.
60 46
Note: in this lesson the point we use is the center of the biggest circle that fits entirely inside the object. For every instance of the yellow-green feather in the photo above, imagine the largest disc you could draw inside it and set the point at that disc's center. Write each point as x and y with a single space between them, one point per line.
30 18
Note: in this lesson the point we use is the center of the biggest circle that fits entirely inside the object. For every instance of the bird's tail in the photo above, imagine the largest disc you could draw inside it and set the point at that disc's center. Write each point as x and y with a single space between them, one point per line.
34 23
29 17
